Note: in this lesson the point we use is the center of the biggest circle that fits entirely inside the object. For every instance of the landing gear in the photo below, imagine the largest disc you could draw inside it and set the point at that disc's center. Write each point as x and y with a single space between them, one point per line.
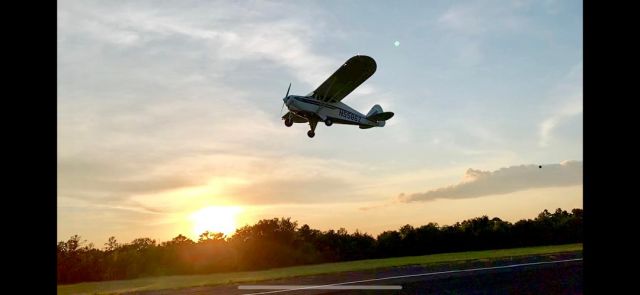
328 122
312 123
288 122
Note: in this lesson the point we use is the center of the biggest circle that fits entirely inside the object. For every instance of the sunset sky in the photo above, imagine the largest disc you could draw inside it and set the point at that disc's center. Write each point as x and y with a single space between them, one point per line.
169 114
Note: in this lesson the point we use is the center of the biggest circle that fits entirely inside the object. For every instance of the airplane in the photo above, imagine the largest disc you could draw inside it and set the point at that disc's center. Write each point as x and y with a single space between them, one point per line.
324 104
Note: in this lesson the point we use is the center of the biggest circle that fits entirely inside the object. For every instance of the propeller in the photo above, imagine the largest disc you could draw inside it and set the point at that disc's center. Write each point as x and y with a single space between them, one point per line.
283 101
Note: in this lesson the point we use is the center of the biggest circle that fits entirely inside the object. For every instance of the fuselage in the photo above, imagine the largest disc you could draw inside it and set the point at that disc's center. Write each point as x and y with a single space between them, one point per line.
314 109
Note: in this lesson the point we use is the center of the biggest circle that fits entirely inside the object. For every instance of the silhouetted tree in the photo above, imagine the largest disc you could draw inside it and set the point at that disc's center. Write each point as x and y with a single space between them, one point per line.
389 244
111 244
280 242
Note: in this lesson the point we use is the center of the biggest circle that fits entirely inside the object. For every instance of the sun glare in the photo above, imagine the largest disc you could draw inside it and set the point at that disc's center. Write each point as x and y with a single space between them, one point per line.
215 219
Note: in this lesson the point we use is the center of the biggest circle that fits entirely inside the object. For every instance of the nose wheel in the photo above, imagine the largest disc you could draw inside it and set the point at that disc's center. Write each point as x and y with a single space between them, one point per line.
288 122
311 134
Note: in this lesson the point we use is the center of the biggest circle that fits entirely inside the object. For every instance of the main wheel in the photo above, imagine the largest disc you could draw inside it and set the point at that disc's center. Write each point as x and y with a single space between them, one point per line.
288 122
311 134
328 122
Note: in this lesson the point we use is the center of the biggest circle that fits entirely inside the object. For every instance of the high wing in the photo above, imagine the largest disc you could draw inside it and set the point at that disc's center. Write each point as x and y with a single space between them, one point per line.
347 78
295 118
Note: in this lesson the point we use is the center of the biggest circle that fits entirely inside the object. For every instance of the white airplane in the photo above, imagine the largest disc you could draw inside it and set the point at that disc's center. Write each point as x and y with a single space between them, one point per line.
323 104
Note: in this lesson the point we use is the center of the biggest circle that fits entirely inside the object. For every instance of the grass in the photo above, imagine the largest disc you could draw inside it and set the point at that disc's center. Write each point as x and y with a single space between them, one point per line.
185 281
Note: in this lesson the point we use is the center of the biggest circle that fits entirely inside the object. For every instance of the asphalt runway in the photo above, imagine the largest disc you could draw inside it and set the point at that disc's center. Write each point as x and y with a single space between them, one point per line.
548 274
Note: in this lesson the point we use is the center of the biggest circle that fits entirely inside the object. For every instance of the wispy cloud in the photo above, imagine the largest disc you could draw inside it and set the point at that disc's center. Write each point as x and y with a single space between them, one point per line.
285 41
379 205
469 25
569 95
478 183
167 106
117 138
299 189
476 17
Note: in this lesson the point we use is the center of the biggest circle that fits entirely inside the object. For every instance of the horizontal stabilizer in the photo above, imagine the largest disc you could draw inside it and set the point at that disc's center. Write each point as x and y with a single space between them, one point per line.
380 116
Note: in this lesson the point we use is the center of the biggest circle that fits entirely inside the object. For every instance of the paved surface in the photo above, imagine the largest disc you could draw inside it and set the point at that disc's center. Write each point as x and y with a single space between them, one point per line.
548 274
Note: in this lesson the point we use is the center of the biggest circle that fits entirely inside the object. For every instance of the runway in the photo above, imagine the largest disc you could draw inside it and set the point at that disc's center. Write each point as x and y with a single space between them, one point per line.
548 274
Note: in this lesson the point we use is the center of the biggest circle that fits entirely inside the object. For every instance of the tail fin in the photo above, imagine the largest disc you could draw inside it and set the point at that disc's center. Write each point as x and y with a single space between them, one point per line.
376 114
375 110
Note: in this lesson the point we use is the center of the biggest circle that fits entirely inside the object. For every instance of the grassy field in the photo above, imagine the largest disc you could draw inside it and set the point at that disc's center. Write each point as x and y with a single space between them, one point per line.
175 282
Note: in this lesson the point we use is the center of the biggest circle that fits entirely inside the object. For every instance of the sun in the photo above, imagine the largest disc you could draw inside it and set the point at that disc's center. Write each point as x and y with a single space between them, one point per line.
215 219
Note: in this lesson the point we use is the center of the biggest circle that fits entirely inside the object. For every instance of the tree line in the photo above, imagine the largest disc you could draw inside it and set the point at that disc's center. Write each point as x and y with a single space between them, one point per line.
280 242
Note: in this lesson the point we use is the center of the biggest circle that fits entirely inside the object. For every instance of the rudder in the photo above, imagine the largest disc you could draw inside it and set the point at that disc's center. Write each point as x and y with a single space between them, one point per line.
378 115
376 109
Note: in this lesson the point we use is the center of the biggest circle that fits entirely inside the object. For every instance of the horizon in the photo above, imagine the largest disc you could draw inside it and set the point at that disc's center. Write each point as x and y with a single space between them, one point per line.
299 224
169 115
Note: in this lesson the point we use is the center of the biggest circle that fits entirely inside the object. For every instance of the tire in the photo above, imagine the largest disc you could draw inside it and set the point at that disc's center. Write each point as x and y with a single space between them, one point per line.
328 122
288 122
311 134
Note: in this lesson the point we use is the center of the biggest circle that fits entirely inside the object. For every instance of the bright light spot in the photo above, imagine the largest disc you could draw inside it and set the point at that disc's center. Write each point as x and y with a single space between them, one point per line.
397 43
215 219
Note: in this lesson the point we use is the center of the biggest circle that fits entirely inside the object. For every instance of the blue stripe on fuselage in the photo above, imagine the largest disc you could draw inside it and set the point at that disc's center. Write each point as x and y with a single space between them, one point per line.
319 103
347 114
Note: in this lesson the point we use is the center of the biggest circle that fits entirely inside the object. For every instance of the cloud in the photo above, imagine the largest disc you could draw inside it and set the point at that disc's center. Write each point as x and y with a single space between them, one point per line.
146 88
462 18
569 93
379 205
476 17
133 186
478 183
469 28
319 189
267 33
160 103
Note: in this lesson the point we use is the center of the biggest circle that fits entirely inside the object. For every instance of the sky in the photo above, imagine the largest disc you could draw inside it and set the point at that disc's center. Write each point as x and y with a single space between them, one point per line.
167 108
